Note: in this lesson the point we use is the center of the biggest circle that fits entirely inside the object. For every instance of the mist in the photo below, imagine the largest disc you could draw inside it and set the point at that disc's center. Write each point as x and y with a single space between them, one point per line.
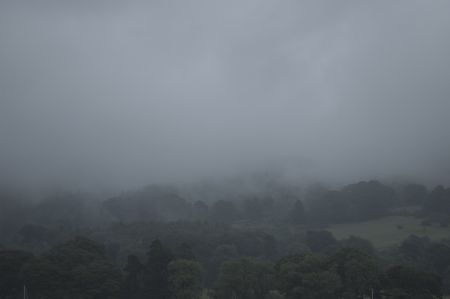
114 94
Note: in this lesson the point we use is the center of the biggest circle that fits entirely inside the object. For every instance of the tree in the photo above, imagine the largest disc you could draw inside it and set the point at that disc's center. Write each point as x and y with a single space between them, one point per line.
320 241
369 200
330 207
414 249
414 194
297 215
66 210
359 272
75 269
446 281
200 211
253 209
13 213
220 254
244 279
156 276
307 276
134 275
438 201
358 244
11 264
403 282
184 252
355 202
223 211
33 234
185 279
439 257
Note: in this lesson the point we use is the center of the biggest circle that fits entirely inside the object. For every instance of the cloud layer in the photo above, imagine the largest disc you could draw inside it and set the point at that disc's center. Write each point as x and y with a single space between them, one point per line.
98 93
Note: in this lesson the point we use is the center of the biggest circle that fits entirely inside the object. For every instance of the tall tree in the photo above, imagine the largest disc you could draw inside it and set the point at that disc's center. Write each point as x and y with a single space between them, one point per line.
223 211
185 278
244 279
156 275
359 272
307 276
11 265
320 241
134 270
184 252
414 194
75 269
403 282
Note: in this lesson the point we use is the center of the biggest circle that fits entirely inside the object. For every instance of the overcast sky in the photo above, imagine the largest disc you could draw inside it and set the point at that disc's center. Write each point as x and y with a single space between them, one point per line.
125 93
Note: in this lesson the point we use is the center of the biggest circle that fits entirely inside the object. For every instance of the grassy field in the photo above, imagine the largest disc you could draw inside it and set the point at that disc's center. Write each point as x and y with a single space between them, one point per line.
389 231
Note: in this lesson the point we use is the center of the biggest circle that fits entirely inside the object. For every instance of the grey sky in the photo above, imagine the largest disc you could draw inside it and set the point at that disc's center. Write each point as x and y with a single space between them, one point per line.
123 93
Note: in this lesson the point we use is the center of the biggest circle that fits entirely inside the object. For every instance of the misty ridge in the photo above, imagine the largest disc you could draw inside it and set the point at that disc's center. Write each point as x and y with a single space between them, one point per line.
196 240
237 201
251 149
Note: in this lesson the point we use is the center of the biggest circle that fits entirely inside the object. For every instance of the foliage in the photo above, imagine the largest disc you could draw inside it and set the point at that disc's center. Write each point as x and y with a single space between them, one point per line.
359 272
320 241
11 276
406 282
224 211
244 242
76 269
156 274
244 279
134 277
185 279
298 215
355 202
438 201
307 276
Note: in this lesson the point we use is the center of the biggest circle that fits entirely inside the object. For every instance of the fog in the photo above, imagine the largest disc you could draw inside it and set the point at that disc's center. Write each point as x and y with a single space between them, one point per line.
117 94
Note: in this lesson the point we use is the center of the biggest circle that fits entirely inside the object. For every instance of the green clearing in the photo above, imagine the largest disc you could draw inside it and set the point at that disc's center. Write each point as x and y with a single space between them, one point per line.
389 231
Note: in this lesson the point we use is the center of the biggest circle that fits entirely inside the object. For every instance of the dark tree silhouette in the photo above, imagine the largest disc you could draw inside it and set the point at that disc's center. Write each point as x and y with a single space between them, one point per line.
156 276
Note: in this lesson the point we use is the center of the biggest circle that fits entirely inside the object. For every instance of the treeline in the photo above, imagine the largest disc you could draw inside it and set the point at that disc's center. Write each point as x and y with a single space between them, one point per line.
338 270
259 242
356 202
80 268
316 205
273 203
270 207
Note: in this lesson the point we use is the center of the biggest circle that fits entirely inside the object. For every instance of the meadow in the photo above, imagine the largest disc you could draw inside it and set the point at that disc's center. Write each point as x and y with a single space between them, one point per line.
389 231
